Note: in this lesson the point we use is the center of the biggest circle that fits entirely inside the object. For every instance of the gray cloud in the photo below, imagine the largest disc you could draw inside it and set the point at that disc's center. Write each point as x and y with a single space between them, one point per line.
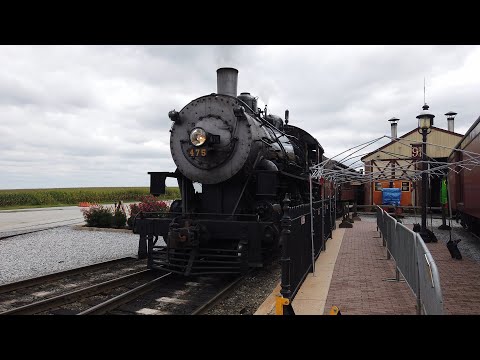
97 115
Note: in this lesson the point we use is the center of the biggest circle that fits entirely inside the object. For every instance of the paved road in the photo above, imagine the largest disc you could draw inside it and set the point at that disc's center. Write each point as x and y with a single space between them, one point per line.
23 220
38 218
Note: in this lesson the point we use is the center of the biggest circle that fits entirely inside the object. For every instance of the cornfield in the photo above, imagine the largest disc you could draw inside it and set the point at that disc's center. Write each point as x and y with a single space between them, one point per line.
73 196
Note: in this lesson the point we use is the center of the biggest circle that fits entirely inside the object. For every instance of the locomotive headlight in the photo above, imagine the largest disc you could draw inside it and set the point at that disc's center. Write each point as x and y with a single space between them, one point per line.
198 136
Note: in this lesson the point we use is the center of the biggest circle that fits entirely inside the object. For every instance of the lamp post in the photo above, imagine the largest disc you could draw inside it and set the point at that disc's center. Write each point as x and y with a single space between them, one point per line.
444 190
425 122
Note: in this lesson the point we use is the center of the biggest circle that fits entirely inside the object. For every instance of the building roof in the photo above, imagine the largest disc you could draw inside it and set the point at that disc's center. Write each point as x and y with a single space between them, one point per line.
474 125
407 134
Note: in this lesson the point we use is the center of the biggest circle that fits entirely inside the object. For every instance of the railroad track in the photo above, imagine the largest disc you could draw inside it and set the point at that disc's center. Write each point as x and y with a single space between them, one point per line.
156 287
179 296
9 287
125 297
141 292
72 296
210 303
28 291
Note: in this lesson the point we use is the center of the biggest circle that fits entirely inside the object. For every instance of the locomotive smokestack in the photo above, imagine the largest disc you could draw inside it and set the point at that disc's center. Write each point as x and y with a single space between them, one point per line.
227 79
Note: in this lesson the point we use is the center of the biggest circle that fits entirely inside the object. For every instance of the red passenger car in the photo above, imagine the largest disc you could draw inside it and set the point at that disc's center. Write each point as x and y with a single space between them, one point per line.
465 184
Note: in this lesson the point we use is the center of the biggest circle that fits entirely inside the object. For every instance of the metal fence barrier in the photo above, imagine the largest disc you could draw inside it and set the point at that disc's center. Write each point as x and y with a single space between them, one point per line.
429 281
413 261
297 239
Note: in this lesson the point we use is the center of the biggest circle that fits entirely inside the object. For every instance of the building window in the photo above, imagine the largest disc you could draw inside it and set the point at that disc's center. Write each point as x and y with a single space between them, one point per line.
405 186
378 186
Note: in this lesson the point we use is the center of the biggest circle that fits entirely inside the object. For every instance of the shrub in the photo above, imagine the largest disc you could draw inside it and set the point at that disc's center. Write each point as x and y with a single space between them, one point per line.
119 219
98 216
148 204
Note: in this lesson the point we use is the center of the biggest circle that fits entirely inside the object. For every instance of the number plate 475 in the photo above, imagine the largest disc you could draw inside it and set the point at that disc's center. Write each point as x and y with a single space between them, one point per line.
197 152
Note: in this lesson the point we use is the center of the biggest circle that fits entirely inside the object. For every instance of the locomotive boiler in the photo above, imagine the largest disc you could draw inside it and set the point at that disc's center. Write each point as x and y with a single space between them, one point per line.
234 165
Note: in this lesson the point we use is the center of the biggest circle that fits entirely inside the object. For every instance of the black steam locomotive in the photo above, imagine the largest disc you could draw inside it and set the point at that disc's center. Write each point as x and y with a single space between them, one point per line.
235 163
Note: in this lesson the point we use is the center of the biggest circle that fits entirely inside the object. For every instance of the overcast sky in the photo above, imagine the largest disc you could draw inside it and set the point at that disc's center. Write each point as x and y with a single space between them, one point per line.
75 116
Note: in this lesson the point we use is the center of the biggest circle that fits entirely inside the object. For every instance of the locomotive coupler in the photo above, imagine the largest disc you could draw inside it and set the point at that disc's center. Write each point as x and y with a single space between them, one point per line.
187 235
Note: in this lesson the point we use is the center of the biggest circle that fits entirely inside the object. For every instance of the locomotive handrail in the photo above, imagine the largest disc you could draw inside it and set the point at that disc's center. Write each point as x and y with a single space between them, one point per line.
196 213
257 159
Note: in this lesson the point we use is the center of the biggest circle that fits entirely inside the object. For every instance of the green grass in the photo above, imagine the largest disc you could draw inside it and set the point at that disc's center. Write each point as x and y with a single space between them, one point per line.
31 198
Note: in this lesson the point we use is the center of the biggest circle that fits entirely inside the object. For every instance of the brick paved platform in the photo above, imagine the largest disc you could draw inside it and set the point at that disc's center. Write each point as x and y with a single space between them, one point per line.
358 285
459 280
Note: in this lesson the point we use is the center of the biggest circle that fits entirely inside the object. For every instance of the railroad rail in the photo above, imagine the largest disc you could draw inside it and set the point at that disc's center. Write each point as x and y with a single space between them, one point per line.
72 296
124 298
202 309
169 294
59 275
158 292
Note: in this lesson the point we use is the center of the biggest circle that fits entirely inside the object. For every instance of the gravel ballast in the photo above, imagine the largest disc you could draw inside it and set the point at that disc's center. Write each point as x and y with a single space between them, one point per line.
247 297
59 249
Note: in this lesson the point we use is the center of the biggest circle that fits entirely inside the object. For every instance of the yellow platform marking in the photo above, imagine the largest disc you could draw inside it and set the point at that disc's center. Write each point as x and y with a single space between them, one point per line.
280 302
307 302
268 305
335 310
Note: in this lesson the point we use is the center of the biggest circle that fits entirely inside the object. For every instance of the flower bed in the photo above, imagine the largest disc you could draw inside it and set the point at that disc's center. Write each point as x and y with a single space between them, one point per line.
149 204
120 216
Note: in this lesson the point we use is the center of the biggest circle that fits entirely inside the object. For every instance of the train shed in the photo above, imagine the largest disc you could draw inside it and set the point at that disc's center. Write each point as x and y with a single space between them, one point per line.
396 161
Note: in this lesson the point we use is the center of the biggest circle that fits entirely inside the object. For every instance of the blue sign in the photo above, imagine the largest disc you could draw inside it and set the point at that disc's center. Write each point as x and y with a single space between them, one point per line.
391 196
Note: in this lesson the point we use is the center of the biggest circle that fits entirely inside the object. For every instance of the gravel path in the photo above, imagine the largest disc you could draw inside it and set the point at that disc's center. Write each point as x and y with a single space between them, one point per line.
469 245
60 249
